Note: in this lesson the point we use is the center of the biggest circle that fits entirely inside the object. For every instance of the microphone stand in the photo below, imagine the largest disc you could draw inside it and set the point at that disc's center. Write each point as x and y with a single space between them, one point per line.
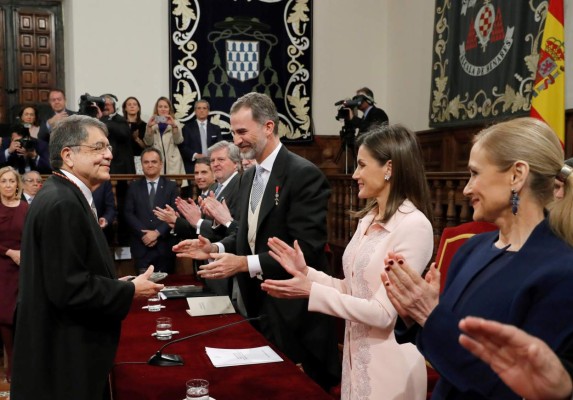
170 360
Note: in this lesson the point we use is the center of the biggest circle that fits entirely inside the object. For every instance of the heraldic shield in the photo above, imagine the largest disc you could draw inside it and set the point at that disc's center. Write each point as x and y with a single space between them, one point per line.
242 59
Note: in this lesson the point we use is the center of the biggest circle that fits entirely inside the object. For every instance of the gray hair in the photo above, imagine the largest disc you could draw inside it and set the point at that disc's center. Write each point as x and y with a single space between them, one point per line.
233 151
70 132
204 102
261 106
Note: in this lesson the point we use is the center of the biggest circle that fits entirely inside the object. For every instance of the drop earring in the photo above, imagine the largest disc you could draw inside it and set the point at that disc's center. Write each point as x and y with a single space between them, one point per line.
514 201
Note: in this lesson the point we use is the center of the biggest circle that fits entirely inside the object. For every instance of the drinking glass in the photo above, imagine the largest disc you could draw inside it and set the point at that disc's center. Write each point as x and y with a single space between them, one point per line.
163 328
154 304
197 389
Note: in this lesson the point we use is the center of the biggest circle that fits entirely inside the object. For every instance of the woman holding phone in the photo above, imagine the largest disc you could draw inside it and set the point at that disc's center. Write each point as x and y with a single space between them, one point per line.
164 133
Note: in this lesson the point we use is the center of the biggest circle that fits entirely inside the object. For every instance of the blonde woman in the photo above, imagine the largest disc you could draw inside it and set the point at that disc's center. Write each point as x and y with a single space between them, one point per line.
164 133
12 214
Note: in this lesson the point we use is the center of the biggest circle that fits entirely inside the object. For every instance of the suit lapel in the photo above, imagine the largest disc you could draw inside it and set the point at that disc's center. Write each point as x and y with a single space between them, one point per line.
276 181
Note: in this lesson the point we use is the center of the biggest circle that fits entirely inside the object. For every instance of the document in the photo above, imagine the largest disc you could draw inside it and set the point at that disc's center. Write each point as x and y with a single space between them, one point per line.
212 305
232 357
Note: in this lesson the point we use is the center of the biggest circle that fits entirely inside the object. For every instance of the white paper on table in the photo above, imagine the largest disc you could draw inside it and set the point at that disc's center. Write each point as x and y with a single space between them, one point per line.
232 357
212 305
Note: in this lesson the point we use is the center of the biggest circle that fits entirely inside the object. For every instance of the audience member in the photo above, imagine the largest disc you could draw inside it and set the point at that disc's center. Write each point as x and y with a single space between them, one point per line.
525 363
57 112
164 133
247 163
70 304
104 202
521 274
204 177
396 218
32 182
151 240
12 215
199 135
119 137
371 115
27 154
131 109
293 206
29 119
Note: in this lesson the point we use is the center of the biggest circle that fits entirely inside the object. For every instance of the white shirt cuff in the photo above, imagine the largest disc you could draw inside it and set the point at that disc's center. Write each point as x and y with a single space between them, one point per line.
254 265
198 229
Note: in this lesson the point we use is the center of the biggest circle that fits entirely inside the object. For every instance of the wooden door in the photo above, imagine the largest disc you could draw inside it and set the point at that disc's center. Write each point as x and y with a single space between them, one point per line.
31 43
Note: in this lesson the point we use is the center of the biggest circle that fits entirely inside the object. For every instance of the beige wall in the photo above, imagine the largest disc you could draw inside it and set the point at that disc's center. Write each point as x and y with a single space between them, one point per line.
383 44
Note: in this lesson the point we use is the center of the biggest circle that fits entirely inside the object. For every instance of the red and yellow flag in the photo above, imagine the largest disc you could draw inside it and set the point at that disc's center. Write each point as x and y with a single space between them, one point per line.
548 96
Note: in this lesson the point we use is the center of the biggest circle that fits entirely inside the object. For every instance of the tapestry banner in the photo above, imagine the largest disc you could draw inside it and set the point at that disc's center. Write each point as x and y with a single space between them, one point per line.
223 49
484 60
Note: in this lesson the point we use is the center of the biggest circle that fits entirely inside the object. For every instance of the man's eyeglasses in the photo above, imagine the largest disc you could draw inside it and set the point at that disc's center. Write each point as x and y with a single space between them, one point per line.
30 180
98 147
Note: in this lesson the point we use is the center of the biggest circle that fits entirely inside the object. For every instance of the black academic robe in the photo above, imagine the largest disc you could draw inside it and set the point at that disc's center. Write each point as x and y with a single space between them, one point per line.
70 304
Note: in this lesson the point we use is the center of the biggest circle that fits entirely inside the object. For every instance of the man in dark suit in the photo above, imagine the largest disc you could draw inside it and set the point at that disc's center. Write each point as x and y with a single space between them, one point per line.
104 202
70 304
25 153
285 196
198 136
32 182
204 177
57 112
371 115
151 239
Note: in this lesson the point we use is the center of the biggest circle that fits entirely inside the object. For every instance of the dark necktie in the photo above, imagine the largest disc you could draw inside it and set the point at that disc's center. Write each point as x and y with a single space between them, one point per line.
152 195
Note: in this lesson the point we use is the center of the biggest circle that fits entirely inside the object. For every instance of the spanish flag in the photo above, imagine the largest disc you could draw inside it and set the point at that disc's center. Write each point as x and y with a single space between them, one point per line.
548 95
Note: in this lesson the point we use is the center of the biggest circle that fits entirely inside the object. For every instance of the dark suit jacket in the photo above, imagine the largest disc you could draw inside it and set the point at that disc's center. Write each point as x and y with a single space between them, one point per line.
230 194
375 116
105 202
139 216
532 291
300 214
192 142
120 139
70 304
44 132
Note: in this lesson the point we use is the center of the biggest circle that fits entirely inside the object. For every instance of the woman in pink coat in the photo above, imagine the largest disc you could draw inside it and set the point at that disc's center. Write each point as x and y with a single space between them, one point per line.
390 174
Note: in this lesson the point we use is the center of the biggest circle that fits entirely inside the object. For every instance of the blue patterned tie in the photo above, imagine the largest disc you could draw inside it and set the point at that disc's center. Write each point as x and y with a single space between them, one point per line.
258 188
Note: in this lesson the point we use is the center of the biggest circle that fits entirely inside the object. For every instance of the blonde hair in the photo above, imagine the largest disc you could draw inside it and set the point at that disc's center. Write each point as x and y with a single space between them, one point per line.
534 142
19 184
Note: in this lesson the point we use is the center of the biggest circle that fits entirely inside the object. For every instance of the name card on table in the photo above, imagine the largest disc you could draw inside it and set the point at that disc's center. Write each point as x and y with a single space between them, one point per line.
212 305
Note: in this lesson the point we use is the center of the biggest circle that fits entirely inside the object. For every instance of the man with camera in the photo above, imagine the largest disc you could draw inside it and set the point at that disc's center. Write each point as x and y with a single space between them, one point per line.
371 115
25 153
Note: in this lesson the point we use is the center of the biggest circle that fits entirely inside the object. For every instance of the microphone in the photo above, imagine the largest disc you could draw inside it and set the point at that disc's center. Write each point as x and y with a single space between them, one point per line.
170 360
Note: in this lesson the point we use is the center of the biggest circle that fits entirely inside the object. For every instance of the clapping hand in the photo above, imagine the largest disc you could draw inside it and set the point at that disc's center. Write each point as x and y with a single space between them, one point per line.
198 249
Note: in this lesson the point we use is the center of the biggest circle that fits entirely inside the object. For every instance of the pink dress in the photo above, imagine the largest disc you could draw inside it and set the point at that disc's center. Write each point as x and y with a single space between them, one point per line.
374 365
11 226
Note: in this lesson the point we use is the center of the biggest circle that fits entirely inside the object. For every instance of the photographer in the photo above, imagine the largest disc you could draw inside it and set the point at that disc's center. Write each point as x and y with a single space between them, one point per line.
371 115
25 153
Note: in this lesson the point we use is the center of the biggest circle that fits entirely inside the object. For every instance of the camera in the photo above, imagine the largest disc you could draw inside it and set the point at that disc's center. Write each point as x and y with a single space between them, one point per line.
89 103
27 143
160 118
343 112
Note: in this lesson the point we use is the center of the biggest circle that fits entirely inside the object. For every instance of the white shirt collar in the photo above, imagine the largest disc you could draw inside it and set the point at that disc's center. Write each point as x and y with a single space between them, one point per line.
228 180
268 162
85 190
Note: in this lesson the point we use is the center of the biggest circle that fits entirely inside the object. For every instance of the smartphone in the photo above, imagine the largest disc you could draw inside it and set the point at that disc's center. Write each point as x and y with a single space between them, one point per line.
160 118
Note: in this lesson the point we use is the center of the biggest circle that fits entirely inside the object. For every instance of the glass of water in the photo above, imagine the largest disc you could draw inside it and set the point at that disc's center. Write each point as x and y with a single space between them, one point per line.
154 304
163 328
197 389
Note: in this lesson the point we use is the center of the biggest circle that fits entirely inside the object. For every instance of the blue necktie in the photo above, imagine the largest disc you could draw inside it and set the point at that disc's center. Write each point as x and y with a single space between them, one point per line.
258 188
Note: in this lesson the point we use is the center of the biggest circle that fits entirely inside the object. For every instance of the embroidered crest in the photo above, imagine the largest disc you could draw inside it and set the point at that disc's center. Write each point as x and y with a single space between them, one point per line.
242 59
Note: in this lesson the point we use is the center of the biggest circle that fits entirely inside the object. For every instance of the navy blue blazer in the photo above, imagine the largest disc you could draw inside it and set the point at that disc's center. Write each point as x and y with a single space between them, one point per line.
105 202
139 215
192 142
533 292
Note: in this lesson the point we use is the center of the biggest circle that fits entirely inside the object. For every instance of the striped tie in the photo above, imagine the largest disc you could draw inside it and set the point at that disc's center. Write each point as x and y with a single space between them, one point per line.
258 188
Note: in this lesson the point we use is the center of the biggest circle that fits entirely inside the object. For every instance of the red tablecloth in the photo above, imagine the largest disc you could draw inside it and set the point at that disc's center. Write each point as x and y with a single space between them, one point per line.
281 380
